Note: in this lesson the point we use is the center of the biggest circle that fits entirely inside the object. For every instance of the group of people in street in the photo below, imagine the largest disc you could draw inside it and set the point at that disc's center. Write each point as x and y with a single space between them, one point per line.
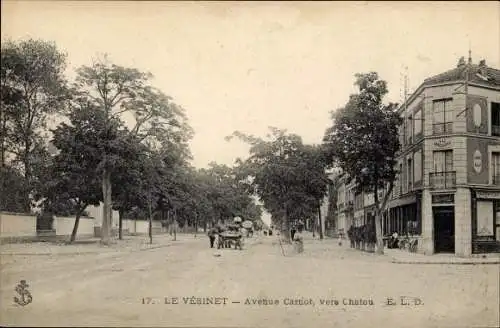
296 234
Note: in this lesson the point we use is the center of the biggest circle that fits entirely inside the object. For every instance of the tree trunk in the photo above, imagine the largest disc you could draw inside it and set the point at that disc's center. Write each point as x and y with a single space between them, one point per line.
175 229
174 223
27 176
106 208
150 221
195 224
2 136
286 227
120 223
321 233
379 215
77 222
378 232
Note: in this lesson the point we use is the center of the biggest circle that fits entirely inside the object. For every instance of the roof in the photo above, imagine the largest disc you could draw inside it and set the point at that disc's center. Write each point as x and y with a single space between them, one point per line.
477 73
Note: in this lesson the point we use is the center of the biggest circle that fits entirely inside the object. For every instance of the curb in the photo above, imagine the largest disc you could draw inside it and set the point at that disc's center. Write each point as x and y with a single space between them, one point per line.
109 251
445 262
49 254
153 247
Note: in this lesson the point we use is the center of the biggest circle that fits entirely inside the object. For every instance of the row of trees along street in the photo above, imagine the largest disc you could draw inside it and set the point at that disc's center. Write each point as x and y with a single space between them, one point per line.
123 143
95 155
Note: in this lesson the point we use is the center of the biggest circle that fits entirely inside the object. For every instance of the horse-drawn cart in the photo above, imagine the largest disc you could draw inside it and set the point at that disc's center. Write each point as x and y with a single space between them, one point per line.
228 238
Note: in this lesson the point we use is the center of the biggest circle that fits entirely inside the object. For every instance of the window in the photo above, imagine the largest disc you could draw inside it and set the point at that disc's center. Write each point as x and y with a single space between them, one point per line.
442 116
417 123
495 167
443 176
417 172
358 201
485 219
495 119
410 174
401 133
409 130
400 179
497 219
443 161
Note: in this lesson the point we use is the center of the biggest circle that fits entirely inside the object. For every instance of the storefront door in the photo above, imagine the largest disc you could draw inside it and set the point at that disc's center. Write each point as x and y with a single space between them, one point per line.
444 229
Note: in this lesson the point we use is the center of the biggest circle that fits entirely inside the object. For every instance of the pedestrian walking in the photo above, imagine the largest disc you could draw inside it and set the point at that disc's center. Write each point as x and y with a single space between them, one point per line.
212 233
298 239
293 231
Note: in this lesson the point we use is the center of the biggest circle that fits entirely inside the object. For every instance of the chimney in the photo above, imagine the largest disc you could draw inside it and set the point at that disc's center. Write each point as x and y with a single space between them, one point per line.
482 68
461 62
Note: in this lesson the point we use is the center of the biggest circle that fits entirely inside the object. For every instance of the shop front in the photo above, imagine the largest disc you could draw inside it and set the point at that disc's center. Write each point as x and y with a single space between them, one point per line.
404 215
485 221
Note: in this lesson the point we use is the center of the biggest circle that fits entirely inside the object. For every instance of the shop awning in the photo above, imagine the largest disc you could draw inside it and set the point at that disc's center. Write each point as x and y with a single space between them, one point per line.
405 200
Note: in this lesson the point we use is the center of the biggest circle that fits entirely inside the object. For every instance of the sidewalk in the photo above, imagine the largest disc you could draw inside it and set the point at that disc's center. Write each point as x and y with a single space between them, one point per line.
405 257
329 248
91 246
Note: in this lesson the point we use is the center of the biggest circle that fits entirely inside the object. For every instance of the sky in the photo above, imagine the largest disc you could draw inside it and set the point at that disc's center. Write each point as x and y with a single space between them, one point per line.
250 65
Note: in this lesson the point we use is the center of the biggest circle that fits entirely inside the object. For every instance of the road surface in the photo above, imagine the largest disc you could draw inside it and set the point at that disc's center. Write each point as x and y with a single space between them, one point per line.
187 284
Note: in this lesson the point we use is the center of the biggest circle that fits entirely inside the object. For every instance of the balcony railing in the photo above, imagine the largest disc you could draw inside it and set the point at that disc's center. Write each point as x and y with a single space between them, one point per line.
443 180
442 128
496 180
495 130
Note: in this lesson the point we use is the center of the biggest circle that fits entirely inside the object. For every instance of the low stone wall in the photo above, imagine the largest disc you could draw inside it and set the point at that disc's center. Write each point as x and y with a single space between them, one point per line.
17 227
64 226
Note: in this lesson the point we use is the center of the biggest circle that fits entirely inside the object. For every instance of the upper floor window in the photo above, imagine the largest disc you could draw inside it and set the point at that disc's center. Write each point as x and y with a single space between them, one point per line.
495 119
417 123
401 173
442 116
409 130
409 167
401 134
495 167
443 175
358 201
417 172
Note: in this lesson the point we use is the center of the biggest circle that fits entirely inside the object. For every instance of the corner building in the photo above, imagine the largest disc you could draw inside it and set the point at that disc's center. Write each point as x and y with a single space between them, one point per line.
448 190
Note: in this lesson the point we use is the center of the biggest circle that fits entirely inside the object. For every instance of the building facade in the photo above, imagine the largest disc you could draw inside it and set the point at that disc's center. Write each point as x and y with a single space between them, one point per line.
447 193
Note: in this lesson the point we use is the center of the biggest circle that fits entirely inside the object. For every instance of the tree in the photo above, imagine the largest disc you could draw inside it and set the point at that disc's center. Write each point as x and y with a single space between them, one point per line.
287 175
313 163
33 87
116 90
14 199
108 88
363 141
129 177
74 177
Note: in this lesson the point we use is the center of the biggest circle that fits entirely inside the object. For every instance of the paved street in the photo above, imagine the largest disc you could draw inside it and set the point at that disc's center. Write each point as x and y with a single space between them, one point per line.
109 288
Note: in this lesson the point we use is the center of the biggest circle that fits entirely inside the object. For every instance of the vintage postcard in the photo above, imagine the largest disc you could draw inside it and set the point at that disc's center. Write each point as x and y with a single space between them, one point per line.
250 164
